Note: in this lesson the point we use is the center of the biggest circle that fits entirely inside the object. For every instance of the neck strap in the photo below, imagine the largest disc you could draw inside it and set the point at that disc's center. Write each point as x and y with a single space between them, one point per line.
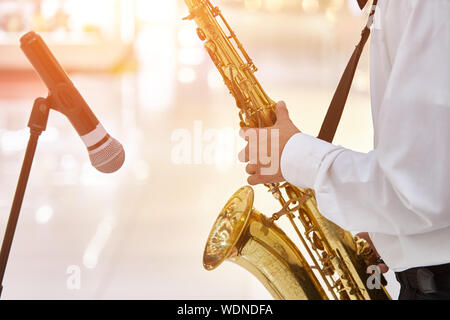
334 114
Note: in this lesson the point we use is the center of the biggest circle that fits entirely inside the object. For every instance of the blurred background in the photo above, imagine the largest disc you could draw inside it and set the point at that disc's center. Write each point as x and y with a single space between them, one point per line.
140 233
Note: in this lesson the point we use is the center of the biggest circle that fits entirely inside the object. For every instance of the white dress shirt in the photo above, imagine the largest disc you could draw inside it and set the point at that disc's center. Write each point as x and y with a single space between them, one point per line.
399 192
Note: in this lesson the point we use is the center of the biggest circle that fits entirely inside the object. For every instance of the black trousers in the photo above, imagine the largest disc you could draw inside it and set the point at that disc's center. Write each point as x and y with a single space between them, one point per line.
426 283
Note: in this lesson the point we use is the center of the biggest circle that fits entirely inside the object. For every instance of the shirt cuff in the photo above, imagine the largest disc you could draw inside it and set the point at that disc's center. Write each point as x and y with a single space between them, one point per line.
301 159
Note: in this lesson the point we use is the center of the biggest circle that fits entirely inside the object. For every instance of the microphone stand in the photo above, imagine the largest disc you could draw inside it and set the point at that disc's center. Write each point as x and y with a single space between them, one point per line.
37 124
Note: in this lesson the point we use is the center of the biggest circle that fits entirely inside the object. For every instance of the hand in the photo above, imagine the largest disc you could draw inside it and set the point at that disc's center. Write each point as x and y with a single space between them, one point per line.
375 256
265 147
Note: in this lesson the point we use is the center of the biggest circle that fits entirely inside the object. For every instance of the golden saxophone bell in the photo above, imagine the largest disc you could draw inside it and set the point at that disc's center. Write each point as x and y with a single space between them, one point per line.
248 238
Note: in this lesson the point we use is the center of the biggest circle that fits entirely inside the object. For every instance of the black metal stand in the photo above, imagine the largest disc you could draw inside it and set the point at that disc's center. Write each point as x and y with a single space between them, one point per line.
37 124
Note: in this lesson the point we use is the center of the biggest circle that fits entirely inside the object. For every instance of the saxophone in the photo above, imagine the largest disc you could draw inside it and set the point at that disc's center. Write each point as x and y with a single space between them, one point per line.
337 267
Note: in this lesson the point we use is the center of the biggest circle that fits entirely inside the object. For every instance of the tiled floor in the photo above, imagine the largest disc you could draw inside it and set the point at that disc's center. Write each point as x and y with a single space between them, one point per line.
140 233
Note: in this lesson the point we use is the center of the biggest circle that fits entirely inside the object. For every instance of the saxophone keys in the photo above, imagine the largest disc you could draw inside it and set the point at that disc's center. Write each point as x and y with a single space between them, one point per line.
201 34
318 244
277 216
363 248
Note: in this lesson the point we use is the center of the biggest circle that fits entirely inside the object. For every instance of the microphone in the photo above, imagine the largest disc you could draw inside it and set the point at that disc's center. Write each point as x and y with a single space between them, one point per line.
106 153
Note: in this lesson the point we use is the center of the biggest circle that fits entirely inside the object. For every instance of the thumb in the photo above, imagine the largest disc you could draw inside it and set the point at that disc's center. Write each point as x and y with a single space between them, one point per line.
383 268
282 111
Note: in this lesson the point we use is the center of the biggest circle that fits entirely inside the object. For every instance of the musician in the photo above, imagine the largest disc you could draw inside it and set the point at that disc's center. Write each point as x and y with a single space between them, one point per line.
400 191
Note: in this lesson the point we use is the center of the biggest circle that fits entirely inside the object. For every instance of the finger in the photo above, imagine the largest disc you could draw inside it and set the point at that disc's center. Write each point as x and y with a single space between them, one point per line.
244 155
363 235
246 132
259 179
282 111
383 268
252 169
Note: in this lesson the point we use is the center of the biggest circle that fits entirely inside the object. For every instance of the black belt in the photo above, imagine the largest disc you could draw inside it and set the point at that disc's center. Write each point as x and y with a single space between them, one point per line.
424 279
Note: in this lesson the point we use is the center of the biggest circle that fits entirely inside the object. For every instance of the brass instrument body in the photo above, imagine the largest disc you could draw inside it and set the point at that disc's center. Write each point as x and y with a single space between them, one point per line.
256 108
256 243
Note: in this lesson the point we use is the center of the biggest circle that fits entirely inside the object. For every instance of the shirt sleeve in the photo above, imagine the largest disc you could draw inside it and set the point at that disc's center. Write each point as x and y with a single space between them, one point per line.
402 187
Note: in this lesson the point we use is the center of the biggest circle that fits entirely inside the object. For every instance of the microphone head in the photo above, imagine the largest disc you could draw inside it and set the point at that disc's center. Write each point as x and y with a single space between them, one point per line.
109 157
